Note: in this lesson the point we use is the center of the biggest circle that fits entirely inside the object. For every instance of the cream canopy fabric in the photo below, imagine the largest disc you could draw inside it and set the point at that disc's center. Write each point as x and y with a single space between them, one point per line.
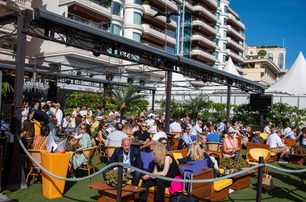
294 81
230 67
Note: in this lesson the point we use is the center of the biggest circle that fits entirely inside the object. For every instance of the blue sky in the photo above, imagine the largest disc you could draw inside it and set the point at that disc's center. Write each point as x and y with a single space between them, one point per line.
268 22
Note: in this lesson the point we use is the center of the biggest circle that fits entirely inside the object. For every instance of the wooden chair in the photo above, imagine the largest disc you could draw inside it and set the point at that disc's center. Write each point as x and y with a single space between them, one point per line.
110 150
210 191
34 170
175 143
214 149
89 154
178 154
289 142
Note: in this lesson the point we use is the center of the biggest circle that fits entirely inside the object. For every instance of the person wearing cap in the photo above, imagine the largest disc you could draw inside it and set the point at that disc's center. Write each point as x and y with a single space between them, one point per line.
230 144
276 144
267 129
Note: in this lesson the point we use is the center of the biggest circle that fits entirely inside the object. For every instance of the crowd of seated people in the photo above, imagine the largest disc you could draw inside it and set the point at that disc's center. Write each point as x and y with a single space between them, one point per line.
85 128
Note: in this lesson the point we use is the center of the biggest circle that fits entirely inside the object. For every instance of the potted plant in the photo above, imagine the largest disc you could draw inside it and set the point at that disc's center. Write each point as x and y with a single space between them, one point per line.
111 178
230 165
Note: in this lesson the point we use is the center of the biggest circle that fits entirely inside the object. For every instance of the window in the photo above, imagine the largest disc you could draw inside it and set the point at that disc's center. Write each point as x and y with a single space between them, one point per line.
138 2
169 49
270 56
224 34
217 16
116 8
116 29
225 9
225 21
136 36
224 46
216 55
224 58
170 33
137 18
281 60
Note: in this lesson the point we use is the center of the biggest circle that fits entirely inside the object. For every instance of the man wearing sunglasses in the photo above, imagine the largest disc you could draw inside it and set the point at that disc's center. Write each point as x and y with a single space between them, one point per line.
142 134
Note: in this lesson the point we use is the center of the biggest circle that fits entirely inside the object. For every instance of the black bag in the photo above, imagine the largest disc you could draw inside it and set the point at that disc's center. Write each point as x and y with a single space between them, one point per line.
184 196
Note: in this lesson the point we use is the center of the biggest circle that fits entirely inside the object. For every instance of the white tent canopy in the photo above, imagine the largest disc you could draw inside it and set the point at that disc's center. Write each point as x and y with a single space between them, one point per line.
217 88
230 67
294 81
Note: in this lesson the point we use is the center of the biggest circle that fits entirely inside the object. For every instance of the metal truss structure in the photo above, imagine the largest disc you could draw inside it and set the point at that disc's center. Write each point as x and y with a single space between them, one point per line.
49 26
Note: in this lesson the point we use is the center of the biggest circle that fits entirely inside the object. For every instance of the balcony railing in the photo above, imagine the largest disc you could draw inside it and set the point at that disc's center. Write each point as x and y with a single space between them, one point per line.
90 5
237 22
149 10
240 35
235 44
200 37
200 8
158 33
202 53
21 4
234 55
202 23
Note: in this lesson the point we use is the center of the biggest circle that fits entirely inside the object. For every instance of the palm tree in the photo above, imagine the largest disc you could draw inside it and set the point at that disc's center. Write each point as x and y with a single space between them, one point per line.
7 88
125 97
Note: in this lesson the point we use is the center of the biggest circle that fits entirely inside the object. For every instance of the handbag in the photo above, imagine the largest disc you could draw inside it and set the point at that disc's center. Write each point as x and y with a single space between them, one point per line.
267 182
184 196
176 186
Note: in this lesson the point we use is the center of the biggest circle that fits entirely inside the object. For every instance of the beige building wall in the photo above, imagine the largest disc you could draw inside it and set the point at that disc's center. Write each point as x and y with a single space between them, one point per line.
274 53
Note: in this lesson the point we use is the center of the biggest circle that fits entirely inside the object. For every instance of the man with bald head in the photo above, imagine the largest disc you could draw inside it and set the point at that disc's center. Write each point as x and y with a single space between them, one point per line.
131 156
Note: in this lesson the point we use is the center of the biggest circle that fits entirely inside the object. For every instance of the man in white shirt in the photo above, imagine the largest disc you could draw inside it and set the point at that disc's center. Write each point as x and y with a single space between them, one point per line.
114 114
115 138
175 127
58 114
276 144
197 129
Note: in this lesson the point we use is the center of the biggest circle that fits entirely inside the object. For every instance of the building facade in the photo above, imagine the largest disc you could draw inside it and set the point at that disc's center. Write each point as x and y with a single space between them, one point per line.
273 53
212 33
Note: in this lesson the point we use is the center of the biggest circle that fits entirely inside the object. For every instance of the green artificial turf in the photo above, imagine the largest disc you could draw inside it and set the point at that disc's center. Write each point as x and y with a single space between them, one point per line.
288 187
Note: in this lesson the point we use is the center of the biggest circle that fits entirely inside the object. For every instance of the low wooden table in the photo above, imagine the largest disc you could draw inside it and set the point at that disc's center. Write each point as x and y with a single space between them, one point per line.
109 194
242 181
297 158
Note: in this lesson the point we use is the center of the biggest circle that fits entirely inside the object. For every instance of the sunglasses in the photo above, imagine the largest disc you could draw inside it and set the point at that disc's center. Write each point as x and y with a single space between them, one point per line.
144 126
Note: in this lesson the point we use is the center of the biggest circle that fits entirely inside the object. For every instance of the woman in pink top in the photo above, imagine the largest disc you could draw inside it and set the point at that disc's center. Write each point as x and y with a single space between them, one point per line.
230 144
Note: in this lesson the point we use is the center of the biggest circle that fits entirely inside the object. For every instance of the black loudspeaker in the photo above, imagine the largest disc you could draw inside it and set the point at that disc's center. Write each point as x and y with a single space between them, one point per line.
260 102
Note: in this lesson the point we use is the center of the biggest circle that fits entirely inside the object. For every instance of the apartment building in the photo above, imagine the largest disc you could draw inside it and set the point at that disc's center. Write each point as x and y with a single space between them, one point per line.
264 64
274 53
212 31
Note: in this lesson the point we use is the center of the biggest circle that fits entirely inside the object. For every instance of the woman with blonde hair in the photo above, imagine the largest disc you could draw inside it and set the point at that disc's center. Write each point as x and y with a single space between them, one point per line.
166 166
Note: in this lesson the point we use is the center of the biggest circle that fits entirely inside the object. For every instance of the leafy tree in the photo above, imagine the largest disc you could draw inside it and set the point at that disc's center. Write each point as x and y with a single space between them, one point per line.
218 112
80 99
125 97
198 107
245 114
178 109
282 115
262 53
137 107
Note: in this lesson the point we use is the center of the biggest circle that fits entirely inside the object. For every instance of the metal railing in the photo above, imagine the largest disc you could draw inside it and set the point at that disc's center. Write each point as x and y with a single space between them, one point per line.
120 166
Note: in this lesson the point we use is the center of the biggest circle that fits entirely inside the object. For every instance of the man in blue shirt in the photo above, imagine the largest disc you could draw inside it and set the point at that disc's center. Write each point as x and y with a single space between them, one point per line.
212 135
